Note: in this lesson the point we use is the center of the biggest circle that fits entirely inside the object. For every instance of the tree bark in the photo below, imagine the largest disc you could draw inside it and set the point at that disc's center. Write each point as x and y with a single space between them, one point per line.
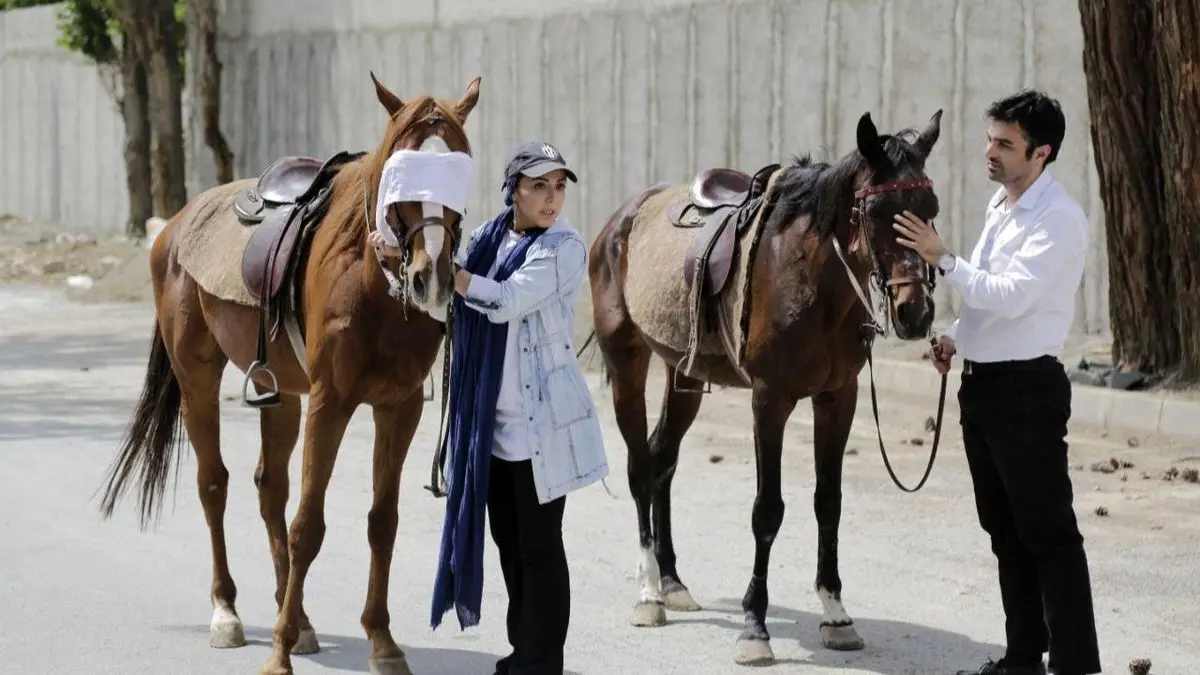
135 113
202 22
165 77
1139 127
1176 29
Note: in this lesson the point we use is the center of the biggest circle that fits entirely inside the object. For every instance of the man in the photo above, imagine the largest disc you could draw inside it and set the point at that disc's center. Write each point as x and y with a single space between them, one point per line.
1018 291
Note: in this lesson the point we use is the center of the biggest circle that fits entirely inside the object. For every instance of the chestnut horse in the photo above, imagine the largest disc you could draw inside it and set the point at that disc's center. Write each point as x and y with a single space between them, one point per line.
361 346
825 229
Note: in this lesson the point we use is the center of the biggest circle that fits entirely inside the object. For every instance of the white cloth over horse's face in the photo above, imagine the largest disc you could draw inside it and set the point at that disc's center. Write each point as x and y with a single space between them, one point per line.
436 177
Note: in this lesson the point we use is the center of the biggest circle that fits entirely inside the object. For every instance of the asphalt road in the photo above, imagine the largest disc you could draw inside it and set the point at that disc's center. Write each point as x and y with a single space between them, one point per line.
84 596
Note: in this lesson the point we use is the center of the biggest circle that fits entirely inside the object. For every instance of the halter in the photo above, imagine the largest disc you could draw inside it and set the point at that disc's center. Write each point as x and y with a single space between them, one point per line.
884 285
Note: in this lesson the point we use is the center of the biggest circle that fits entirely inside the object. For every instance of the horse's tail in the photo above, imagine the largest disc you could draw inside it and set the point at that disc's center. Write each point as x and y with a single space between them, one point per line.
605 373
150 440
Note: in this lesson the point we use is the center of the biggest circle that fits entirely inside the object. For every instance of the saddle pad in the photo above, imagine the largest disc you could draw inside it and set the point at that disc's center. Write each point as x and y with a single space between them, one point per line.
656 292
212 241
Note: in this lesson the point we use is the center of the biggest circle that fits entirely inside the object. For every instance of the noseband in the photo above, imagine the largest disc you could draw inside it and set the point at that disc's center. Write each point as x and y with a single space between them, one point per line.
858 218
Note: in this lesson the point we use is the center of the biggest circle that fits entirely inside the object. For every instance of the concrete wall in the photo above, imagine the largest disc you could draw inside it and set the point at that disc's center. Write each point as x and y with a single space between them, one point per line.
631 91
61 136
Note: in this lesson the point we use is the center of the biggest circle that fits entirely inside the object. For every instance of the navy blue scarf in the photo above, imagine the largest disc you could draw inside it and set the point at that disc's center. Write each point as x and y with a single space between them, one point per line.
476 365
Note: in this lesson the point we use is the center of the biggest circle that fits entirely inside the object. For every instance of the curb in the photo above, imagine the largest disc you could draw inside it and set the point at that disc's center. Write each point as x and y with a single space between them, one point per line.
1109 409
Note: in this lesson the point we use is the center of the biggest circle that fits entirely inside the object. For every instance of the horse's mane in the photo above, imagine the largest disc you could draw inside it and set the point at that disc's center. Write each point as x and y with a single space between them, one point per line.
347 214
825 191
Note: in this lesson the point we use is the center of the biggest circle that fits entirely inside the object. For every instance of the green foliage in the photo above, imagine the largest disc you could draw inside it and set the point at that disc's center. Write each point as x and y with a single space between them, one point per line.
89 27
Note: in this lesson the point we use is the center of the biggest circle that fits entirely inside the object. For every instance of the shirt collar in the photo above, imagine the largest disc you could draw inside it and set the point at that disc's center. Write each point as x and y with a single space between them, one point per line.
1031 196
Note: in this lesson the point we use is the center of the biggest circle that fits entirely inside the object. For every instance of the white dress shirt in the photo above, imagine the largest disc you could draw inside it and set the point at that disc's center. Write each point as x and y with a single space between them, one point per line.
1019 286
511 439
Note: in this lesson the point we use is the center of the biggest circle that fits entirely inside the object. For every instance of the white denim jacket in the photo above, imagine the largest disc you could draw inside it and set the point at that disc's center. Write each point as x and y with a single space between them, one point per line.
538 301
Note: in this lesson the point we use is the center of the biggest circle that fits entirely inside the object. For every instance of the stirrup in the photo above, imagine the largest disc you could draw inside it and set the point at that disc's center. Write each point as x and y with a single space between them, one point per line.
270 399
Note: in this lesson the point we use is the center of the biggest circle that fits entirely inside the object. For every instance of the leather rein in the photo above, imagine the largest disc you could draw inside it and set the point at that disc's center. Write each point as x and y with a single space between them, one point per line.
873 328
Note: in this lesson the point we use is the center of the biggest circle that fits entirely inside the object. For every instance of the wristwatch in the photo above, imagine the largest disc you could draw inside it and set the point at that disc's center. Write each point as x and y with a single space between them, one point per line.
947 262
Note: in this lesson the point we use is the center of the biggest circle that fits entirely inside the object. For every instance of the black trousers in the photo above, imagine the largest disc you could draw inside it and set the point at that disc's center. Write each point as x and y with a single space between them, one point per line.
528 536
1014 422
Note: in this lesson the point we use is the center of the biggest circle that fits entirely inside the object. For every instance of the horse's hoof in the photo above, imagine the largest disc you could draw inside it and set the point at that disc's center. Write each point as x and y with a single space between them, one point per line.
841 638
273 667
649 614
752 652
306 643
392 665
225 631
678 598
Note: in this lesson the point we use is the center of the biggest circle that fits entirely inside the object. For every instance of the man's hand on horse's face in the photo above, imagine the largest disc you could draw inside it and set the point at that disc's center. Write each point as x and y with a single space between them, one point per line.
919 236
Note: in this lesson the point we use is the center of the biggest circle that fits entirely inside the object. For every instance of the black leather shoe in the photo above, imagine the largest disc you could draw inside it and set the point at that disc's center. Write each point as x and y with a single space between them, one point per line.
1000 668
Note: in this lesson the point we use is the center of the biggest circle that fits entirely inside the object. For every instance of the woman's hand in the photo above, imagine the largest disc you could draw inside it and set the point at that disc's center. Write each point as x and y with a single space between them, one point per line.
462 280
382 248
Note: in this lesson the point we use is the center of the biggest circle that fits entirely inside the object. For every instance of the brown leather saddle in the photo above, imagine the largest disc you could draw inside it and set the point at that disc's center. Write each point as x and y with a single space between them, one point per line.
284 207
721 204
717 198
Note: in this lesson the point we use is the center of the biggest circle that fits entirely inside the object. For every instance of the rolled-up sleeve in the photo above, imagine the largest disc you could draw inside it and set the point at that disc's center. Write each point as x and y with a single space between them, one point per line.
1055 239
542 279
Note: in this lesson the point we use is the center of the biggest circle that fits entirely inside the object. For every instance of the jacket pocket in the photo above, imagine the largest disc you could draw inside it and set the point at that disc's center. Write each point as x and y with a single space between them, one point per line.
567 401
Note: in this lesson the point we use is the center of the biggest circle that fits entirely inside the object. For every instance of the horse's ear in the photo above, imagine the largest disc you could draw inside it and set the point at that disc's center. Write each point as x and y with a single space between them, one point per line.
930 135
390 101
869 144
467 104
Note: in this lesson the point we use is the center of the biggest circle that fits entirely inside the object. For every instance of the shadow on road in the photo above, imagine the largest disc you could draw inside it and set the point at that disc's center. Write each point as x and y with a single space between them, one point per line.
35 352
351 654
890 644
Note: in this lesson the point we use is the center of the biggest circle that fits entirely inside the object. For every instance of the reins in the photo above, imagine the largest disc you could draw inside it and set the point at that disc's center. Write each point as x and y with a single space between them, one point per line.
873 328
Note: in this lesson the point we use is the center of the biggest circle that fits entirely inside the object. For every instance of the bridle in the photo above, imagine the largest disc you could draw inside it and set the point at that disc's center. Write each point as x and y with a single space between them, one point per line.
885 286
399 290
873 329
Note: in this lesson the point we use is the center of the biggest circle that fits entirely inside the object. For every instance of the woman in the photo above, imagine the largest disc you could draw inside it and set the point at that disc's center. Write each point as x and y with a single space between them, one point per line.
524 429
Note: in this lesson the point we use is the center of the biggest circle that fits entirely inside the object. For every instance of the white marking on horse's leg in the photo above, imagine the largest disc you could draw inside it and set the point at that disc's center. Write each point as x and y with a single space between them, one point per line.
649 610
225 631
837 628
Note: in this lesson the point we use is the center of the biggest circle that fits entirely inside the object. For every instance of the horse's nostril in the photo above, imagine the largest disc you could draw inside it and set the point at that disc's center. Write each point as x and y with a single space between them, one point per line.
419 285
909 312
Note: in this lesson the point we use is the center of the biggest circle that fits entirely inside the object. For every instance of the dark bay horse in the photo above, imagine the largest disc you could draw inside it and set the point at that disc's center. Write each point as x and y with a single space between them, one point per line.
362 342
824 230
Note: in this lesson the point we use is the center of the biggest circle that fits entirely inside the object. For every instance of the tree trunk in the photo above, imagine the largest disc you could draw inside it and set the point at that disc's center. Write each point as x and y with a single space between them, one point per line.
202 21
134 111
166 110
1138 125
1175 31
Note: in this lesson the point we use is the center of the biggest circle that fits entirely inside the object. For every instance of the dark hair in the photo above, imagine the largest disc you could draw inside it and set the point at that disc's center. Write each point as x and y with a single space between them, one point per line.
1039 117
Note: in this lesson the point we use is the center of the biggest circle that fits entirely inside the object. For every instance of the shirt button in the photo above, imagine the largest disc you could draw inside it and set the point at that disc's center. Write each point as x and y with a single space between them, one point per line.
525 349
531 419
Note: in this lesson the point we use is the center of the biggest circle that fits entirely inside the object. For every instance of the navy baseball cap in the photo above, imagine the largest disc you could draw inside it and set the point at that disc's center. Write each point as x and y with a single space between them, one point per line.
535 159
